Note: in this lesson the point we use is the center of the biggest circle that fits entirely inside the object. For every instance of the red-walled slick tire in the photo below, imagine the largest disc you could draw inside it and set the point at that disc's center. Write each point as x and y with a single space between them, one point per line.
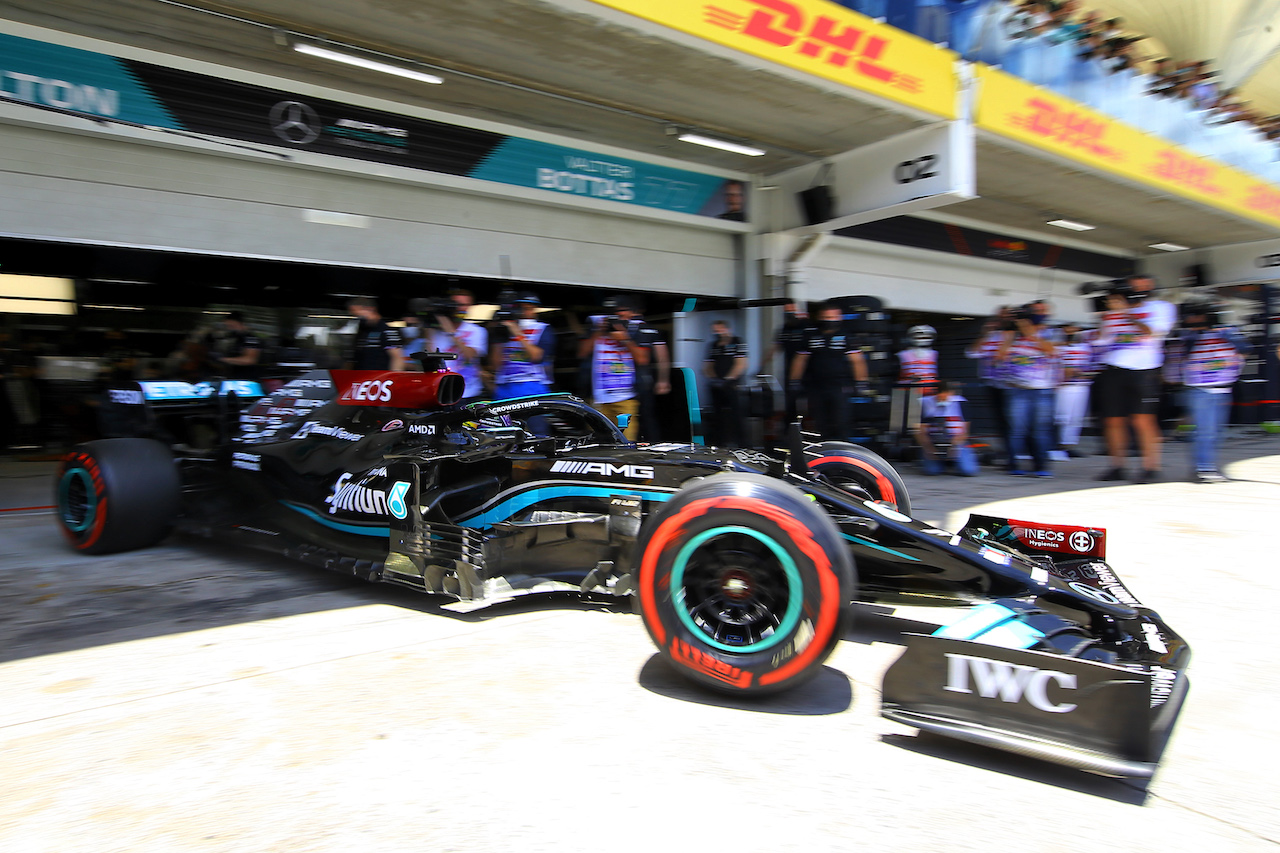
743 583
117 494
841 462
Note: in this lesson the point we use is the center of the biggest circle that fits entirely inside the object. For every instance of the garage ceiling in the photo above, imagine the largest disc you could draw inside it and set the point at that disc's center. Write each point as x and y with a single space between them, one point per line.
574 68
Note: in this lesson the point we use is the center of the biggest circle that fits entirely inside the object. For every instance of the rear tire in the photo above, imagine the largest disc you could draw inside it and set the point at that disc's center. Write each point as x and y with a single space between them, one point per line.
117 494
743 583
842 461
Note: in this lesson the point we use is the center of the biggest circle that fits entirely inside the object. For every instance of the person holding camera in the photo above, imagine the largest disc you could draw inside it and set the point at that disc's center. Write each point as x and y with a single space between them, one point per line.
616 357
725 363
653 379
1029 354
992 372
1071 404
453 332
518 348
827 363
1211 355
1130 343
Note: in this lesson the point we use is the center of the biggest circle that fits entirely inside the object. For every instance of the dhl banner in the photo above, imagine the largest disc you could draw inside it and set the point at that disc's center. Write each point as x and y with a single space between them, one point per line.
1021 111
821 38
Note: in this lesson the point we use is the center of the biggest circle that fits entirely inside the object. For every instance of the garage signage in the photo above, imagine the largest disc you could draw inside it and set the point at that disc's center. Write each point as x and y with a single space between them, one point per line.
80 81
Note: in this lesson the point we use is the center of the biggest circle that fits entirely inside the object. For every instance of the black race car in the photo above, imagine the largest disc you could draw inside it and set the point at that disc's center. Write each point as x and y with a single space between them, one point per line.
742 563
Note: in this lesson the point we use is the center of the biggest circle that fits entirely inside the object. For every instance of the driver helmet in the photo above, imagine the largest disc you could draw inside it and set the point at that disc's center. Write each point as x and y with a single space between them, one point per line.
921 336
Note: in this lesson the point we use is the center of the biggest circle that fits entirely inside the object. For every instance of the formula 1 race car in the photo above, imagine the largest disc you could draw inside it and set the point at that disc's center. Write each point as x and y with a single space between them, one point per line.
741 563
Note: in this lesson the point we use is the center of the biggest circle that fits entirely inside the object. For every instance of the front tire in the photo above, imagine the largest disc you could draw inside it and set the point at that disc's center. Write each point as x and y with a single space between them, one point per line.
743 583
843 462
117 494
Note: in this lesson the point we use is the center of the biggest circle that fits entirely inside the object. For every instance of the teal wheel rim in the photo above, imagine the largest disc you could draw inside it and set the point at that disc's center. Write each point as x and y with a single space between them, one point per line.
77 500
795 603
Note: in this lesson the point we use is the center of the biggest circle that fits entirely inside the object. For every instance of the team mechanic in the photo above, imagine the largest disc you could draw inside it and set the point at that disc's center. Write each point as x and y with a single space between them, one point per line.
826 365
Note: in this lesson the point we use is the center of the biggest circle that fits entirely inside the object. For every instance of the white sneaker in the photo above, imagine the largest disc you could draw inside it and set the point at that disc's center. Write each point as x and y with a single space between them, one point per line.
1058 455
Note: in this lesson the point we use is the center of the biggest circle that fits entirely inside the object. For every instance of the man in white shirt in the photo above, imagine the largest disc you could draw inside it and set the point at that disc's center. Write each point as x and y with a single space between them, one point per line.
1130 347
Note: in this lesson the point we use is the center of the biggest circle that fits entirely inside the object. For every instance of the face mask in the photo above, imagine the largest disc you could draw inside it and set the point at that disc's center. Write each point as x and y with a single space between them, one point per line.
409 332
830 325
1038 319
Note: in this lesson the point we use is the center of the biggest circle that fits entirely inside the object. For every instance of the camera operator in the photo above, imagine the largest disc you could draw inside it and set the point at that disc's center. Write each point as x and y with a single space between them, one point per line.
725 363
451 331
1211 355
991 372
653 379
1030 358
617 352
826 365
1130 342
519 346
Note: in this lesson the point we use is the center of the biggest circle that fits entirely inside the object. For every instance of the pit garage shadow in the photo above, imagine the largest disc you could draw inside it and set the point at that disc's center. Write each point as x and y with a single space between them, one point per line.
829 692
54 600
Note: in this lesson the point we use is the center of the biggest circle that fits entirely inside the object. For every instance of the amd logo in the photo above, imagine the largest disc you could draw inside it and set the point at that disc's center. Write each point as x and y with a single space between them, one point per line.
1007 681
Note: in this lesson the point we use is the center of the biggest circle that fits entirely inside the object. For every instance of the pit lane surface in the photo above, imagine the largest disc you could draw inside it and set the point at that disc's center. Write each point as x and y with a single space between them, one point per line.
196 697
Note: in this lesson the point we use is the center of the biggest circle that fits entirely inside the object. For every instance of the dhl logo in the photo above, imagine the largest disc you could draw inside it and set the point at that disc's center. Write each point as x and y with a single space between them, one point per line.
1066 127
844 46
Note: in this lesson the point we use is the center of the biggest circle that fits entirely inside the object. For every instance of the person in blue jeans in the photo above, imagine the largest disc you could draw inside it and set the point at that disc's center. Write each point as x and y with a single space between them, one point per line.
1211 356
1029 353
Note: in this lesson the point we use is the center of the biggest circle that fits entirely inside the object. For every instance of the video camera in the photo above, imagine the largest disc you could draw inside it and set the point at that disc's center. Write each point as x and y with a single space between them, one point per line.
611 322
506 307
1201 305
1021 312
1101 290
429 308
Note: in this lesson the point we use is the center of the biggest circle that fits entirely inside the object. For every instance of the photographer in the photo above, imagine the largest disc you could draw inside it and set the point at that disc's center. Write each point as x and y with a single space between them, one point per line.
725 363
991 372
653 379
1029 355
830 365
518 347
451 331
1130 342
1211 355
617 352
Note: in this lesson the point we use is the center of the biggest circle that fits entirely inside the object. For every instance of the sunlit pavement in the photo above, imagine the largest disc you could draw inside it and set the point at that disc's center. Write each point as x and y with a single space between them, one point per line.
196 697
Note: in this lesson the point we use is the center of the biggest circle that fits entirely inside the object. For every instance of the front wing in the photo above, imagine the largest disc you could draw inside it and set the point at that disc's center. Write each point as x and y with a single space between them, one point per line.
1103 718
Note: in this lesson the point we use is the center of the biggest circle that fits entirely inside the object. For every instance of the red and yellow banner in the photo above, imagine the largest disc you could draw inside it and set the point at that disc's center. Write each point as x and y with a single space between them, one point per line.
1018 110
821 38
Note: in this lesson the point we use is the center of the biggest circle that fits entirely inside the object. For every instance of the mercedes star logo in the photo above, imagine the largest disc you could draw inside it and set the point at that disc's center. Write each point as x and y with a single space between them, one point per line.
295 122
1081 541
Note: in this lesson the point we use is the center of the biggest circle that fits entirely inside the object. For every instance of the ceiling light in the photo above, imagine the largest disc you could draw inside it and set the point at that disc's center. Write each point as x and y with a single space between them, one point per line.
113 307
1070 225
722 144
1169 247
362 62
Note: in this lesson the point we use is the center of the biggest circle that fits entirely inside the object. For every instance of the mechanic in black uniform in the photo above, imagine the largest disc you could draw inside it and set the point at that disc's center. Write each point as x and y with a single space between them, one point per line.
725 363
238 350
789 339
829 366
377 346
